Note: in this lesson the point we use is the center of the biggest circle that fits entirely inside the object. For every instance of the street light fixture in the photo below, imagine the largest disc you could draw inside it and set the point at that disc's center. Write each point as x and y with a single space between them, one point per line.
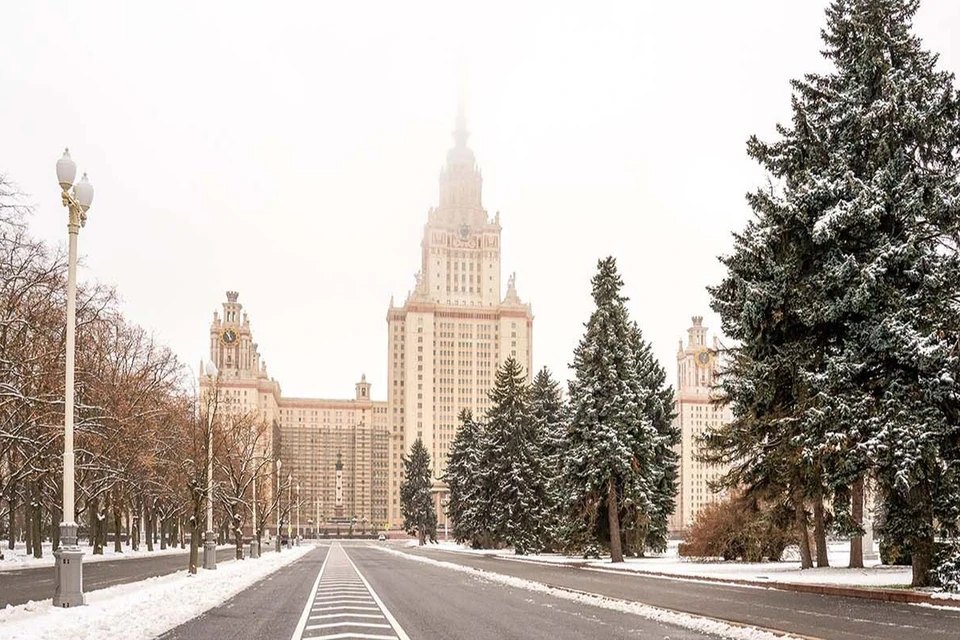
279 496
254 542
290 505
209 544
69 563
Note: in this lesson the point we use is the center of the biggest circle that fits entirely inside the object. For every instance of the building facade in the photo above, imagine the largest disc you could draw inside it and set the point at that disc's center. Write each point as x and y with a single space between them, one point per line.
696 374
304 437
445 342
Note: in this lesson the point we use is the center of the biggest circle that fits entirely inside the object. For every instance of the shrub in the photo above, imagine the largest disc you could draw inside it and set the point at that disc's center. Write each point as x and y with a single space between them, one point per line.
740 529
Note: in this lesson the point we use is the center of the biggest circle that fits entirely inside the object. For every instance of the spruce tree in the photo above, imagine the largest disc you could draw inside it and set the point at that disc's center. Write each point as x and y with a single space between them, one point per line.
514 463
416 501
549 412
843 290
657 408
609 445
462 475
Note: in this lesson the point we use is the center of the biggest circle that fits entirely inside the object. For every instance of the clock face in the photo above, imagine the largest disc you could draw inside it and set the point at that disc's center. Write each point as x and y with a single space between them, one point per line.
464 232
228 337
703 358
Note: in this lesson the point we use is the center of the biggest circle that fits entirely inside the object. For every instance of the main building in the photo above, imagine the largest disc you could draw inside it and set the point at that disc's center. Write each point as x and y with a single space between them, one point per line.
444 344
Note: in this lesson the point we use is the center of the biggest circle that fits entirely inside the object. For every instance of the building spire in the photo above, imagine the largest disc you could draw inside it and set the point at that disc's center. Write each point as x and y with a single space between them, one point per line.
461 134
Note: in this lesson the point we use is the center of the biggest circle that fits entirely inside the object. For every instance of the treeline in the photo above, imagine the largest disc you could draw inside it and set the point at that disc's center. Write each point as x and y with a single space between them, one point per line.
540 473
843 296
140 430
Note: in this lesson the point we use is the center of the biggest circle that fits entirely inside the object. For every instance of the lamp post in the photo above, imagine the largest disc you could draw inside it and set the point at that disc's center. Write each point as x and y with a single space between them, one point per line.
290 507
318 518
279 495
209 544
254 543
364 525
298 514
69 558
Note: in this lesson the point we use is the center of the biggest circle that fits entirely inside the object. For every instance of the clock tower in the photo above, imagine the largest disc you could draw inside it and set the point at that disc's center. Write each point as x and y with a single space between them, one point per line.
697 366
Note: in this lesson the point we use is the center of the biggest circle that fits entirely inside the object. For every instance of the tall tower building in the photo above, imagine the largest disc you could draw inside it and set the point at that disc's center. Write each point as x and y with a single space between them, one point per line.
453 330
314 439
696 375
244 385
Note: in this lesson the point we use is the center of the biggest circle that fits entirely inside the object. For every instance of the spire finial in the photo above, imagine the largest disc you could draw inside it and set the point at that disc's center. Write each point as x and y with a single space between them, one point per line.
461 134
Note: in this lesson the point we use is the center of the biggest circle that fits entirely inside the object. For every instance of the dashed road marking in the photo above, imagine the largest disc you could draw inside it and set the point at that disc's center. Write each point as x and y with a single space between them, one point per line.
343 606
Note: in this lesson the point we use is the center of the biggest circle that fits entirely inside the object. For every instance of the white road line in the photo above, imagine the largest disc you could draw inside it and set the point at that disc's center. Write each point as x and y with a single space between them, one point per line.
298 632
345 636
389 616
346 623
349 615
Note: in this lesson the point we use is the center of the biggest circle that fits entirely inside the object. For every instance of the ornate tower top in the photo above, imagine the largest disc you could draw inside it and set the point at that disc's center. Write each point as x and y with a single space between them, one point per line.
232 296
697 334
460 181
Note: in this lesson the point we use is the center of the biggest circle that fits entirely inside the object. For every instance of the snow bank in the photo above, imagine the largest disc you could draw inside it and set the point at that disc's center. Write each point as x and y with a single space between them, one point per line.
18 558
873 575
144 609
666 616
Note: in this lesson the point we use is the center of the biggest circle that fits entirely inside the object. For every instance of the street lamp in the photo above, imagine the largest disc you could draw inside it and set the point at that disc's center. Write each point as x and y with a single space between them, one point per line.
364 525
298 514
254 543
279 495
290 503
69 563
209 544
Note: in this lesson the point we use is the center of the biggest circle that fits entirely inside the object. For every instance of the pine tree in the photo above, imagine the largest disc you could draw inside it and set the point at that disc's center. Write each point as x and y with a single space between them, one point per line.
609 445
550 416
416 502
843 291
657 408
514 463
462 475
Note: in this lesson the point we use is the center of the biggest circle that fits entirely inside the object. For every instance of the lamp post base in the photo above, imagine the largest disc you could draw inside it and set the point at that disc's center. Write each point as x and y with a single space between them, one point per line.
254 548
69 569
209 551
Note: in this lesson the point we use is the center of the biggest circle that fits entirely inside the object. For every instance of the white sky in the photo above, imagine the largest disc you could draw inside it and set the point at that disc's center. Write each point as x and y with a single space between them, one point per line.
291 153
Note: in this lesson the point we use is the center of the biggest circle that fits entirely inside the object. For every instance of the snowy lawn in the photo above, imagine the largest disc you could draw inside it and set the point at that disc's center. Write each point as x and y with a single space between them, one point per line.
144 609
873 575
666 616
18 558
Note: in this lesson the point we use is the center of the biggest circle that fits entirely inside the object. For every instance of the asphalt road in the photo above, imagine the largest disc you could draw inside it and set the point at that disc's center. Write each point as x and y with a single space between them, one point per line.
815 616
23 585
365 593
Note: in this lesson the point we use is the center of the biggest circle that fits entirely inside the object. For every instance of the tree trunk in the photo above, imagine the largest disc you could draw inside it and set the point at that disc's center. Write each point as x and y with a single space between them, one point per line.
194 544
856 512
11 543
117 528
613 517
27 527
238 538
56 515
806 561
164 525
922 561
820 532
37 522
149 525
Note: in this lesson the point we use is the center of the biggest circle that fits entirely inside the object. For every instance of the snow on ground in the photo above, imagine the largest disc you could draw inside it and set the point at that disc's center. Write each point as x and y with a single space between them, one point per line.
696 623
18 558
873 575
144 609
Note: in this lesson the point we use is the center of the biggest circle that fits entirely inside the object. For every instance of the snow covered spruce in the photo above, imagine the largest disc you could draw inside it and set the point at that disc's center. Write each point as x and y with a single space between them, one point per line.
536 474
842 294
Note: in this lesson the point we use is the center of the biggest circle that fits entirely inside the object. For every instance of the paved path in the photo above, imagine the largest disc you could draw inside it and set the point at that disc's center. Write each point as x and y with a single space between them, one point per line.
816 616
37 583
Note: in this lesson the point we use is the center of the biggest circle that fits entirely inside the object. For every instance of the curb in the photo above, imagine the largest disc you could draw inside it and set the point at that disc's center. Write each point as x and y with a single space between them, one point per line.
864 593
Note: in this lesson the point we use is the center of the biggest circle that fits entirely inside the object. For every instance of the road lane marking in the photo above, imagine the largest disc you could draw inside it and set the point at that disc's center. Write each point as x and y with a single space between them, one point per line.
343 605
306 609
396 625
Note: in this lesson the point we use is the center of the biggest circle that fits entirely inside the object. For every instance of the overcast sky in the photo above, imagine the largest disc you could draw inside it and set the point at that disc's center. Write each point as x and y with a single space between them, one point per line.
291 151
